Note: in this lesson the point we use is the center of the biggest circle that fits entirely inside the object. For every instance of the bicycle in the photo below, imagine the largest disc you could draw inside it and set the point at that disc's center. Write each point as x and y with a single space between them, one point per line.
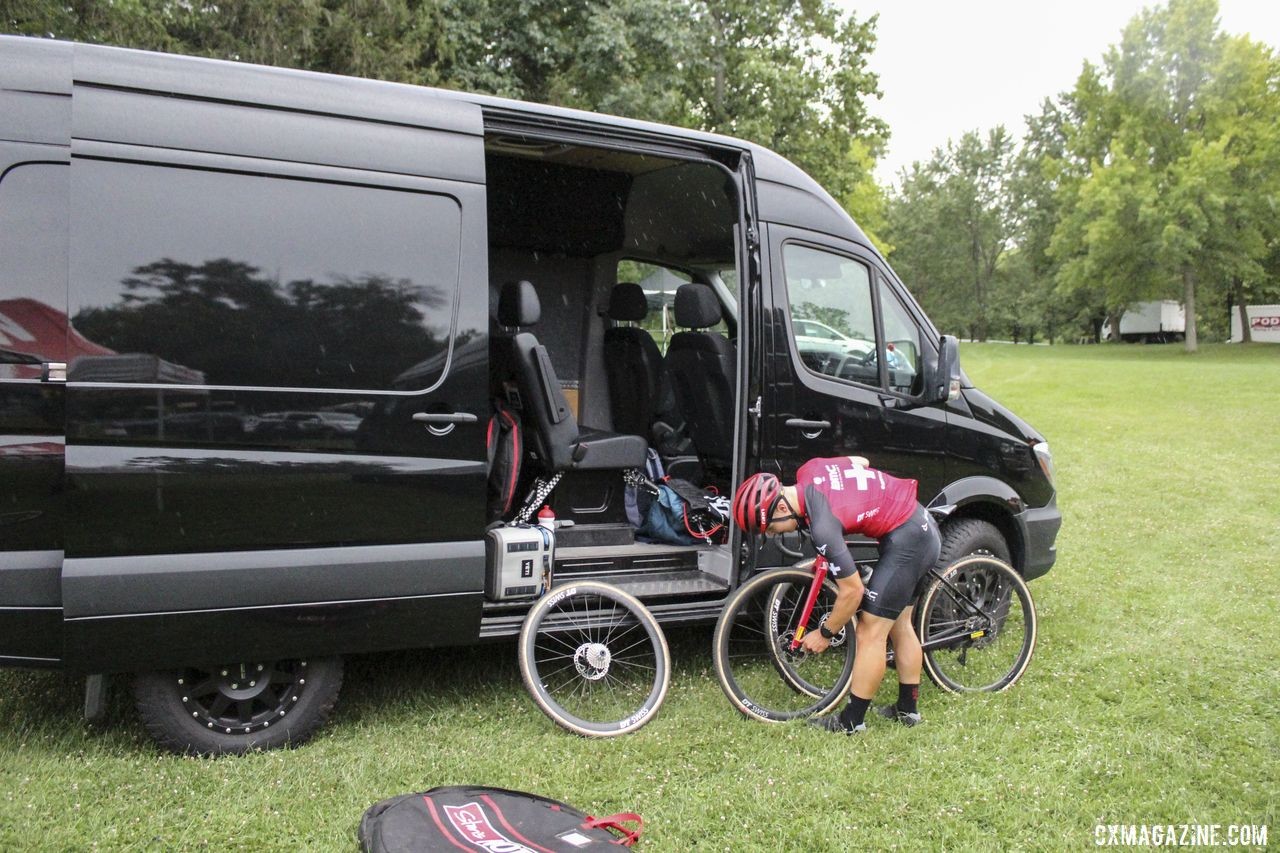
974 637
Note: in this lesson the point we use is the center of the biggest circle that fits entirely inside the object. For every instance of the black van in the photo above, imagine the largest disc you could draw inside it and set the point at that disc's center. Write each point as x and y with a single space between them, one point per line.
253 323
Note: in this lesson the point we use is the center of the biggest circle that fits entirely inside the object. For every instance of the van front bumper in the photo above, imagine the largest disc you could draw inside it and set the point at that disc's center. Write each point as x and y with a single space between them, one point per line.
1039 531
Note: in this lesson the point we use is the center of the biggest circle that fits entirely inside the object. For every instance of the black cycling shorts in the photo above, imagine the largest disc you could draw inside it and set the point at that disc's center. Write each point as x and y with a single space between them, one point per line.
906 554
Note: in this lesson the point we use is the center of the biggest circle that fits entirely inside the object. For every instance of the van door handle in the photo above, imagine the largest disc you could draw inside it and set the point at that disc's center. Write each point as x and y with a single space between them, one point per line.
444 418
801 423
441 424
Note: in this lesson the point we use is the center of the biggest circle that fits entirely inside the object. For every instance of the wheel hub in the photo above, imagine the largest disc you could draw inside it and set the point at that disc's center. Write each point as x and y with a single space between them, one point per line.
785 651
592 661
241 698
243 681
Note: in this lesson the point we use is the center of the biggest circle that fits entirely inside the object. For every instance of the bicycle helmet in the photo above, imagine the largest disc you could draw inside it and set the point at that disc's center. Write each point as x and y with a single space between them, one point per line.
754 501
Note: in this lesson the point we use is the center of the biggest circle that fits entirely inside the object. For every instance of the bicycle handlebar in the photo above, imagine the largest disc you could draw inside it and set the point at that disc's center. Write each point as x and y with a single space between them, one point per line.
795 555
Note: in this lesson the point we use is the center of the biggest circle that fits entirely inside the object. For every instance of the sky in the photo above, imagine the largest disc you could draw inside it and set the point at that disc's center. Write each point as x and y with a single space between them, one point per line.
949 66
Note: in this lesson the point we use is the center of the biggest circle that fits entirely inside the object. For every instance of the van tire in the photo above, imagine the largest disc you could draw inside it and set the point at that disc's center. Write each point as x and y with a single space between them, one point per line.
966 536
299 696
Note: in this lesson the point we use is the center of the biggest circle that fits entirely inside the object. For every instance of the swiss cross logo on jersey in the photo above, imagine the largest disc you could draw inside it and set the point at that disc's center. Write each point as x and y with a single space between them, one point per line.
473 825
836 477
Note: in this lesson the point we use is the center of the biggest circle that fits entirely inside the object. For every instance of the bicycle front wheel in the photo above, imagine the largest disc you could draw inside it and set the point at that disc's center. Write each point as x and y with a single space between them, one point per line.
977 625
757 670
594 659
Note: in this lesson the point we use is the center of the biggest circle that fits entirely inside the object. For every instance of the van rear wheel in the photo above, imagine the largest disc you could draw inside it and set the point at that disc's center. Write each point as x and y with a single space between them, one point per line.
236 708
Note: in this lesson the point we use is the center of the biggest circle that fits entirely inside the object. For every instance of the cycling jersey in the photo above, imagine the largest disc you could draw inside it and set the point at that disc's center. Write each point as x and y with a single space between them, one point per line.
864 500
838 497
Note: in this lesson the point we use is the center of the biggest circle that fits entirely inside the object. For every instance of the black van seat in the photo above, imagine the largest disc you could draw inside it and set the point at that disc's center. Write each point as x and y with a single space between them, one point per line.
639 392
702 365
553 432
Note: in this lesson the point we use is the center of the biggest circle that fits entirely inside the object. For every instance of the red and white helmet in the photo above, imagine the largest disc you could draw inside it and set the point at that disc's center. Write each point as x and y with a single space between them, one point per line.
754 501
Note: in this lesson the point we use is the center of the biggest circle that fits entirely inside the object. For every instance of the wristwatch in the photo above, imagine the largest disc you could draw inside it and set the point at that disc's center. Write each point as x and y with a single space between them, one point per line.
825 632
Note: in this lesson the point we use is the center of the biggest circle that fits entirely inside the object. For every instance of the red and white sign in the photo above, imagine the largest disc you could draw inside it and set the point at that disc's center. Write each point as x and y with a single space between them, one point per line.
1263 320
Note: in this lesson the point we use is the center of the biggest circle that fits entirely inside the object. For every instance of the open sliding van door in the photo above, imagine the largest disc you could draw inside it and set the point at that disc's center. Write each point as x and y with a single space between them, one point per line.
285 455
36 344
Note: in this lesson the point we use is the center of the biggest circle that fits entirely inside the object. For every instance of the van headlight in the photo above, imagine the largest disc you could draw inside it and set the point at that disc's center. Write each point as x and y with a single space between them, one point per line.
1045 458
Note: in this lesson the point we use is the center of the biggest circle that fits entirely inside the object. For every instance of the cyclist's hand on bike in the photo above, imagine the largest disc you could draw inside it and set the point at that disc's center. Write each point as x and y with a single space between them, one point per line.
814 643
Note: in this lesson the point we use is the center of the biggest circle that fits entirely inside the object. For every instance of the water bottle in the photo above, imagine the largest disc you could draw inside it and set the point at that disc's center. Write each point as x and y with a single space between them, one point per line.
547 517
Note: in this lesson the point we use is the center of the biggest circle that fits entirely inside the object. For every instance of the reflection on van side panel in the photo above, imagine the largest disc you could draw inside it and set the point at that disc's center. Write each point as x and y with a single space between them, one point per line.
255 323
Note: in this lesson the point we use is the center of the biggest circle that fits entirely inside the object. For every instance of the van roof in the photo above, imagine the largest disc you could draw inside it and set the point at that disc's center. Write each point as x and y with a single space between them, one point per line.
785 194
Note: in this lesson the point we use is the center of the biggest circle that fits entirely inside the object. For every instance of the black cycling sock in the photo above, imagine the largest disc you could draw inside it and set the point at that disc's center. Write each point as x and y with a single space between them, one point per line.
855 712
908 695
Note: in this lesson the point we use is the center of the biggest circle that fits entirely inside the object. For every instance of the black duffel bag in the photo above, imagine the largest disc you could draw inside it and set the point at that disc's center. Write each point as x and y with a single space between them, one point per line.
492 820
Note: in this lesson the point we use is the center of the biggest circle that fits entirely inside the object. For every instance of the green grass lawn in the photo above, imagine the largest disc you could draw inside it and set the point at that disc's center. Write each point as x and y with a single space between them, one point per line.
1153 696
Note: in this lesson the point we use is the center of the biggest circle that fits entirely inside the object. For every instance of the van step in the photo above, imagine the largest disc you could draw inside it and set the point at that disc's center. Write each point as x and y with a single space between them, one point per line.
594 535
661 591
605 562
647 586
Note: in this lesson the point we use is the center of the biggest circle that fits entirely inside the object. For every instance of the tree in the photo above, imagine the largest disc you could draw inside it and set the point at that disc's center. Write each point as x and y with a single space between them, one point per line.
1243 106
789 74
951 226
1179 133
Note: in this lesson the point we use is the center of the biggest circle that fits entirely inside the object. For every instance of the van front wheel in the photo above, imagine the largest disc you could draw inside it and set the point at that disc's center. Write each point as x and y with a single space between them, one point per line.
239 707
967 536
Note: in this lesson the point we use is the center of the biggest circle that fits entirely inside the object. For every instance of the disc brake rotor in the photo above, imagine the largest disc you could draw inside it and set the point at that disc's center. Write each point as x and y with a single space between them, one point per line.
592 661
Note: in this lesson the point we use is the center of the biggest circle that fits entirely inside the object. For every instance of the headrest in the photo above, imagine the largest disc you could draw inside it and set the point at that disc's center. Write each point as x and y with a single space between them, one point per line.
696 306
627 302
518 304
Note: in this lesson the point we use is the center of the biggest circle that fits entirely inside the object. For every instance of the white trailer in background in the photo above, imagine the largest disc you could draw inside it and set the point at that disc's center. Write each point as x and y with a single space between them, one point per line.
1264 323
1157 322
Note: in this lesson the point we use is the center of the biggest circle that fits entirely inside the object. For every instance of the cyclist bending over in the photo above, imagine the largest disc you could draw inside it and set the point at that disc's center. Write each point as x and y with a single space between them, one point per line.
834 497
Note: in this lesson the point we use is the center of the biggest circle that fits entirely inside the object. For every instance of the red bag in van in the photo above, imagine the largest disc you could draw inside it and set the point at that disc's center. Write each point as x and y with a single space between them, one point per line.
489 820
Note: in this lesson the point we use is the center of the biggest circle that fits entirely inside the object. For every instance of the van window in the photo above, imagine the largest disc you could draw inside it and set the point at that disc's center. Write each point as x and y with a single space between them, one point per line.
902 345
832 319
210 278
660 285
33 269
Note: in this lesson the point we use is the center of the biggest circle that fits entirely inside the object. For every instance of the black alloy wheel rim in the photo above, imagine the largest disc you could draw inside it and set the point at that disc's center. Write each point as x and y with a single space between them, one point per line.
242 698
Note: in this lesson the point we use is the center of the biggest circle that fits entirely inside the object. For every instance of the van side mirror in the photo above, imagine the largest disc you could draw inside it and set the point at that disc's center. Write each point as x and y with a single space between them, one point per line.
944 384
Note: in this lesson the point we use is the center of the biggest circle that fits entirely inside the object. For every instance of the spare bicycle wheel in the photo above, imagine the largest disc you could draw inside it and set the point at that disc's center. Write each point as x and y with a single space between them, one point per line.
977 625
757 670
594 659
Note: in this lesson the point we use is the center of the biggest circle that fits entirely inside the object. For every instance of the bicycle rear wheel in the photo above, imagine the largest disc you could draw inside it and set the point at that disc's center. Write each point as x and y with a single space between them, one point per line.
594 659
756 668
981 623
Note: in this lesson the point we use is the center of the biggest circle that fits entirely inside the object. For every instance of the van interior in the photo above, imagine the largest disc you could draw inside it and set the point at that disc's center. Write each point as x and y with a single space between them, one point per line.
613 315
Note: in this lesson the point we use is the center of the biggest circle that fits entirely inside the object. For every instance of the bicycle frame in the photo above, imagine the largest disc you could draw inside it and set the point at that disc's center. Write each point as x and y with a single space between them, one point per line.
971 610
820 570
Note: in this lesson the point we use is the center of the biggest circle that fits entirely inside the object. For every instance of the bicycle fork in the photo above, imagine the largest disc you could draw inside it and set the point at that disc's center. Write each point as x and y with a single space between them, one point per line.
819 575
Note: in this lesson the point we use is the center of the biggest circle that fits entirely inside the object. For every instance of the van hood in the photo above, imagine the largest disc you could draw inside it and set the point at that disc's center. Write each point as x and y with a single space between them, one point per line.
990 412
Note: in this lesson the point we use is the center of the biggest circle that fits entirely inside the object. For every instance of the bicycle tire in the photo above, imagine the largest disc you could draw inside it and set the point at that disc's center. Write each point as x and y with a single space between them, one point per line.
746 647
594 659
990 654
